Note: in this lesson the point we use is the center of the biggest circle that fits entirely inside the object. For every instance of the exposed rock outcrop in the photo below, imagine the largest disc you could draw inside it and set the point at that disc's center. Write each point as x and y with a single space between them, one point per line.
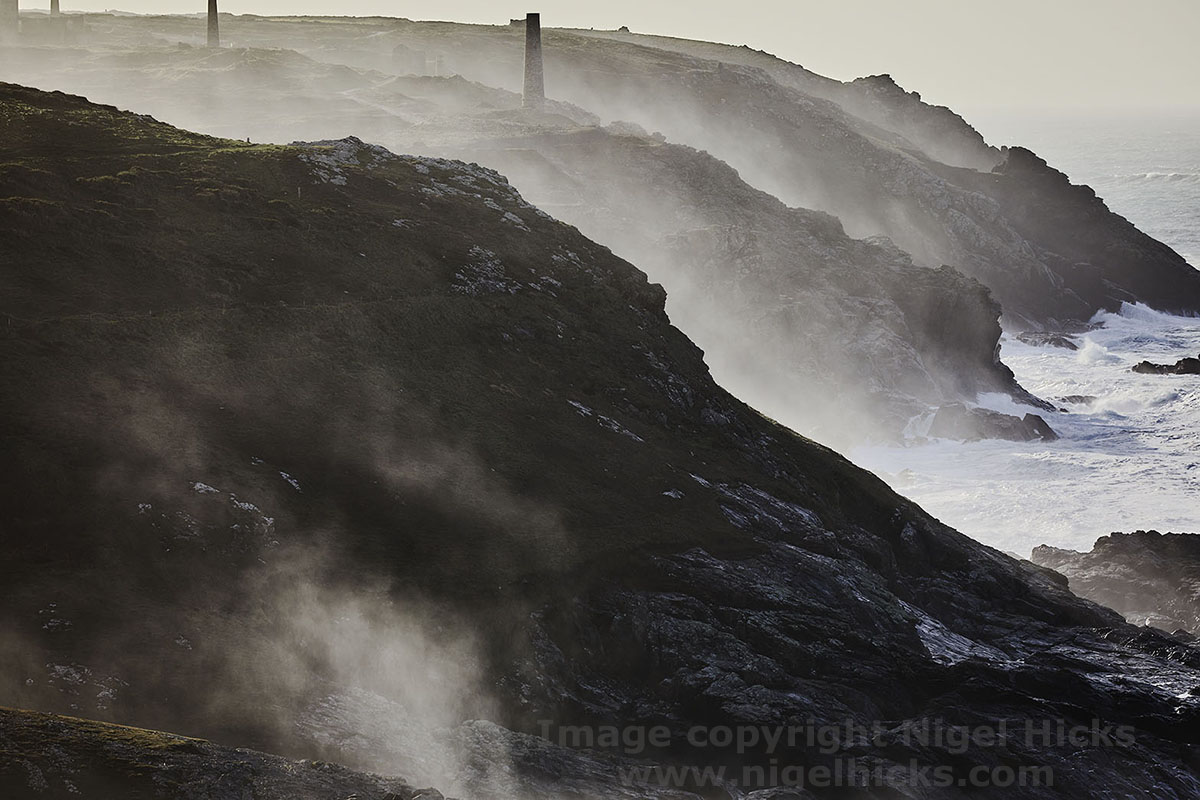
971 424
1097 255
825 333
1047 339
1184 366
1150 577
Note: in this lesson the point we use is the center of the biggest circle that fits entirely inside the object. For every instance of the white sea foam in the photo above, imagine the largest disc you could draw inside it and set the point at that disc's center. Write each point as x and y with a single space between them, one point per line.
1092 353
1128 459
1188 177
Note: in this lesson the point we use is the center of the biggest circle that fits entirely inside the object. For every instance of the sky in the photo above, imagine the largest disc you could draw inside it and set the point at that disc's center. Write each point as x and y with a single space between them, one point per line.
974 55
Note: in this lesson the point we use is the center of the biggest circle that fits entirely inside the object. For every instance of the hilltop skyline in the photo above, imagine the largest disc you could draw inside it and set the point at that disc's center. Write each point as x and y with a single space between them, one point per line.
1024 56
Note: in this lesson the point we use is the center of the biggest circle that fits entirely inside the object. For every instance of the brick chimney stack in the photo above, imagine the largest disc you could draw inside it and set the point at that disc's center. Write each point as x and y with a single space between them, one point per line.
535 89
214 32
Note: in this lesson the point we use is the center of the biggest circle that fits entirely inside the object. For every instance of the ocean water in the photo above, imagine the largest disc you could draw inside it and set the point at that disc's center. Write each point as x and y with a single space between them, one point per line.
1129 456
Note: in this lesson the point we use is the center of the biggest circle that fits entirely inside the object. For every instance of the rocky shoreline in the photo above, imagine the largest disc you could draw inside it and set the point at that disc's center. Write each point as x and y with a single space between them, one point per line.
1184 366
1151 578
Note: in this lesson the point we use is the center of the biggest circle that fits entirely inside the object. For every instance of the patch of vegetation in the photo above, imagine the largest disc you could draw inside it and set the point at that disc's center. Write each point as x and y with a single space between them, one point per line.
52 756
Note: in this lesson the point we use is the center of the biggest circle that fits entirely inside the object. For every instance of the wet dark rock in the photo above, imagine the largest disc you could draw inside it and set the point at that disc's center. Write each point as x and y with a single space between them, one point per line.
1184 366
971 424
1044 339
1150 577
1052 574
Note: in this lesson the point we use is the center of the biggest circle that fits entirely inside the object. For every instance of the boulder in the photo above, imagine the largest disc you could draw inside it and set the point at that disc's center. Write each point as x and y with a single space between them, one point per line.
959 422
1184 366
1046 339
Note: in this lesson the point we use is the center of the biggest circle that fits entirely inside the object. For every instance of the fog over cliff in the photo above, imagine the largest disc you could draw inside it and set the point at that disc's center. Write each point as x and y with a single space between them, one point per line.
837 338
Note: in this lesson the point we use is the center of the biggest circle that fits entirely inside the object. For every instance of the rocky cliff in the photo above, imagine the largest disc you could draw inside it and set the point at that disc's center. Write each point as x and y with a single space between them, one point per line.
1150 577
818 330
839 337
874 155
330 451
885 162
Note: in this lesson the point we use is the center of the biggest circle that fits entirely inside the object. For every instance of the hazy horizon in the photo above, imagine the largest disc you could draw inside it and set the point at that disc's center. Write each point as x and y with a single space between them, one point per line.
1074 55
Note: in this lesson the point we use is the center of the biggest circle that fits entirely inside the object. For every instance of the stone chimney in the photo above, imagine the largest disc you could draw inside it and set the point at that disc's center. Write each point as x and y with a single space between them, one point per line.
214 32
535 89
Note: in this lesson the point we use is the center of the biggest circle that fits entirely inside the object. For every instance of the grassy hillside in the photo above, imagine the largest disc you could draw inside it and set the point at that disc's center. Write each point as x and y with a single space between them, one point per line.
53 757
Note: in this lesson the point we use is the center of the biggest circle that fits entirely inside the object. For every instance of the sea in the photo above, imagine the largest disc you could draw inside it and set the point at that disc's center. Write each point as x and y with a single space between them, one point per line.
1129 453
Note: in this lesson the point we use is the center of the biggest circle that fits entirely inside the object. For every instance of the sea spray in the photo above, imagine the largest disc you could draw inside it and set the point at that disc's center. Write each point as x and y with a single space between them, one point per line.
1126 460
